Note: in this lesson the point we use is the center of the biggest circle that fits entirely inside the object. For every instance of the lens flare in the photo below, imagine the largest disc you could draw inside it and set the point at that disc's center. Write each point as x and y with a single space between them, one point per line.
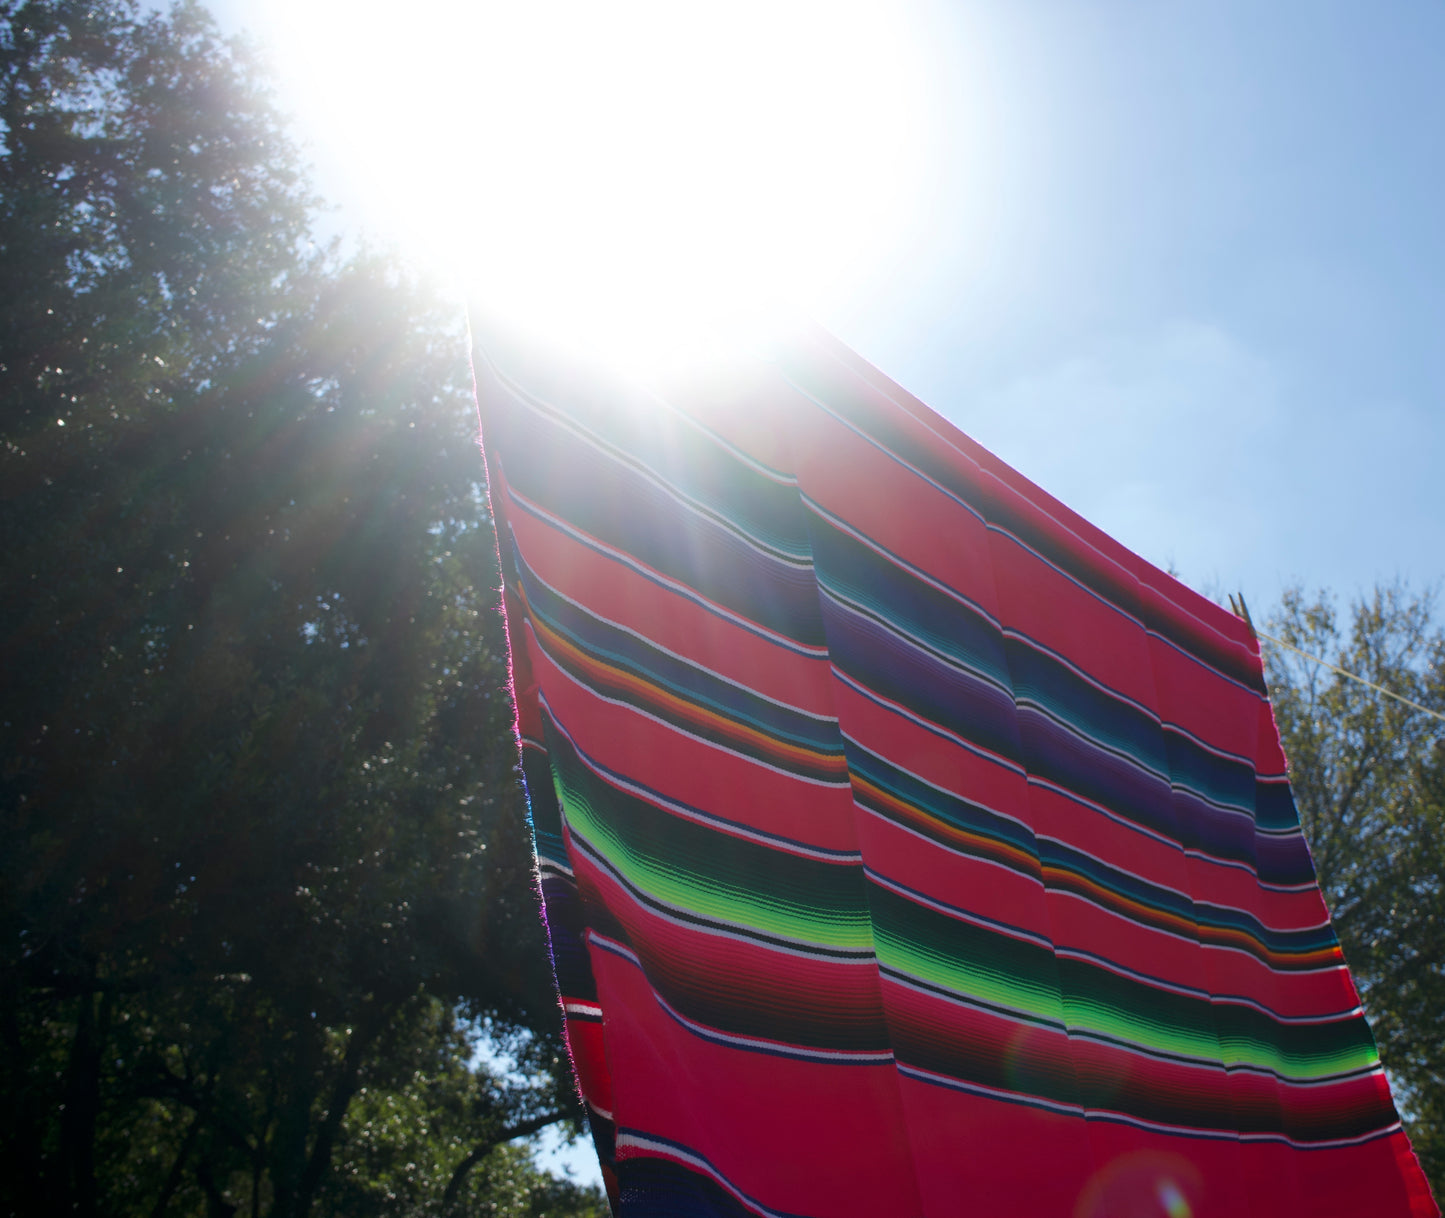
1175 1203
1142 1184
634 171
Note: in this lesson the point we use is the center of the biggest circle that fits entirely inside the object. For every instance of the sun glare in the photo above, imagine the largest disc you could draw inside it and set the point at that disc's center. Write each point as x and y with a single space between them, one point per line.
619 174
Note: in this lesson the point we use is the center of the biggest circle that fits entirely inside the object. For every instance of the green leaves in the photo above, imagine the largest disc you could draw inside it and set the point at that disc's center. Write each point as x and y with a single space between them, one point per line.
263 841
1369 777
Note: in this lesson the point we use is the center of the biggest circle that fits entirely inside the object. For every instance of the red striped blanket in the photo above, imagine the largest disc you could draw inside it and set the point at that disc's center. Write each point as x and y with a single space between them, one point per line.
908 846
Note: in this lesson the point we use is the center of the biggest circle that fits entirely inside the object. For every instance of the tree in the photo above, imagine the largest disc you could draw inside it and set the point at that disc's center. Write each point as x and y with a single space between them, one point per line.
1368 774
264 857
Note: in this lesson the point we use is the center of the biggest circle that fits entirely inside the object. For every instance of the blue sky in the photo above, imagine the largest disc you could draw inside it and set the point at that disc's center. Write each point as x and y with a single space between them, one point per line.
1191 281
1179 263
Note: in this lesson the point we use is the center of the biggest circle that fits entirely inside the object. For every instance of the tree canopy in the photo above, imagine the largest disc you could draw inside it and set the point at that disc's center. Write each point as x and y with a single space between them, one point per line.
266 871
1368 773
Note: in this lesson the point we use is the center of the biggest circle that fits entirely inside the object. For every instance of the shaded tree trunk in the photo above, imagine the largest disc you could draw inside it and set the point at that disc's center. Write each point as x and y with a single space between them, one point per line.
178 1167
363 1037
82 1105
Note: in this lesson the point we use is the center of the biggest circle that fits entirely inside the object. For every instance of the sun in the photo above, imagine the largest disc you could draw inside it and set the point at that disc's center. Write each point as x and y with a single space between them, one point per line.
619 174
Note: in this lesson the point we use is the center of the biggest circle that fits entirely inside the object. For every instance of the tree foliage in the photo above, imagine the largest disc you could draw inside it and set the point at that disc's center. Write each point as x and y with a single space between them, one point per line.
1368 774
265 867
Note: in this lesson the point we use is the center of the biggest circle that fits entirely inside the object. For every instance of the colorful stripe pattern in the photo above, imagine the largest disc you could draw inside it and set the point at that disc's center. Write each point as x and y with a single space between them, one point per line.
908 846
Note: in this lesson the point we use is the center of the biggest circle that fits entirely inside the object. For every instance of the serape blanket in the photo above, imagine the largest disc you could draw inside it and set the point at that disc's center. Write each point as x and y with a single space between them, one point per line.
908 846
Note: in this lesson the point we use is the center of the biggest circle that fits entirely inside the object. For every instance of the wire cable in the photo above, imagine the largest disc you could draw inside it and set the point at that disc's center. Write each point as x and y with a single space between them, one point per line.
1379 689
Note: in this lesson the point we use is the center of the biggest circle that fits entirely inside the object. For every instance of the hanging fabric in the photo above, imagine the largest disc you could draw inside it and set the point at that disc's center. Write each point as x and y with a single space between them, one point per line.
908 846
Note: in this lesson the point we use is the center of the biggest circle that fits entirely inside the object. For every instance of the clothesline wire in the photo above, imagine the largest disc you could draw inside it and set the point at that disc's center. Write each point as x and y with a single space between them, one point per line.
1379 689
1241 610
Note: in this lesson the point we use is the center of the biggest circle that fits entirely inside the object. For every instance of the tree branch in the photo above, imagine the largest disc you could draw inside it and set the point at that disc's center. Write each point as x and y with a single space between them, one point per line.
362 1039
173 1180
168 1086
521 1129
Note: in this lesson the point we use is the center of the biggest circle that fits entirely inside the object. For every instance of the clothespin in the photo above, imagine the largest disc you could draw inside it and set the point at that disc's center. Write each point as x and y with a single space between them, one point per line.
1241 611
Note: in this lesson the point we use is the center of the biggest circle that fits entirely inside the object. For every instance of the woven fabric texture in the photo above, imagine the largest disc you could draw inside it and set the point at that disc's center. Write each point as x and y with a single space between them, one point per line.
908 846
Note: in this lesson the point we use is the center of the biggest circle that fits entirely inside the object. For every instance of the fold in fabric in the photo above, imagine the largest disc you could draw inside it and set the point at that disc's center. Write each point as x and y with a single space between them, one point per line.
907 845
